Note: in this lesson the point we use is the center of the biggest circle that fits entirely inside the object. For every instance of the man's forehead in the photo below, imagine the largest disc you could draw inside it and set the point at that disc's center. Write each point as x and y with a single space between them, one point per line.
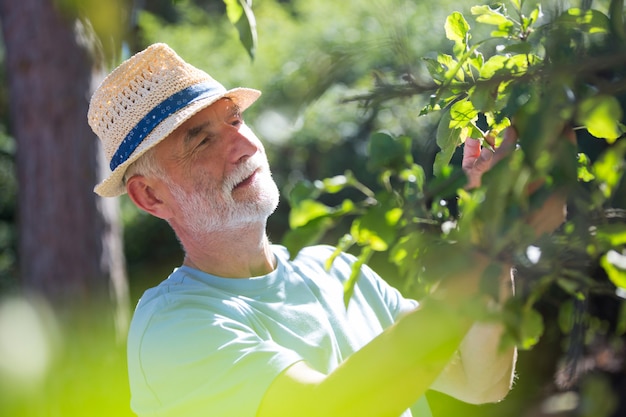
209 114
202 120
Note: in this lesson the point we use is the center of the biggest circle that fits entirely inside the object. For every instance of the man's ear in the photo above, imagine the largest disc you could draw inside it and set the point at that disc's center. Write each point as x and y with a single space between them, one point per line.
143 192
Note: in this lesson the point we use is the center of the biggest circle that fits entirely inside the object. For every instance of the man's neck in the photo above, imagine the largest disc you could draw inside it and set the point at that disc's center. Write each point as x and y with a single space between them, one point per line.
243 252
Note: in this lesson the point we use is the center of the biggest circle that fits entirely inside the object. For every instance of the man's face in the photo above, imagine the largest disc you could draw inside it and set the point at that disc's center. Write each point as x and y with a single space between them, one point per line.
217 171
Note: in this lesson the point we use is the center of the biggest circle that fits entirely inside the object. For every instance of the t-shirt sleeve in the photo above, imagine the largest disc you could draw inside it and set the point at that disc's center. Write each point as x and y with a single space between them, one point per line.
198 363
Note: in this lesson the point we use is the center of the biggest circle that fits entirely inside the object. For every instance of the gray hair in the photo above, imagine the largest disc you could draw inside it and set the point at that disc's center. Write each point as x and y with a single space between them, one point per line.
145 165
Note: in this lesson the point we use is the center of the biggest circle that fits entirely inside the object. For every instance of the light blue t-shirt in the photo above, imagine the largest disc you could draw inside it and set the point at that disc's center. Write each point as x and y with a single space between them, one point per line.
201 345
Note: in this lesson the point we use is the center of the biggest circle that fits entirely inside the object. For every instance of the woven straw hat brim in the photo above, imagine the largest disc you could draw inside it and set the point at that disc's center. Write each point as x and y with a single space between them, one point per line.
114 186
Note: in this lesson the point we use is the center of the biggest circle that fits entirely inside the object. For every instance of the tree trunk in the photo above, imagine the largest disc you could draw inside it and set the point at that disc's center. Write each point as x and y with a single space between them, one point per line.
70 246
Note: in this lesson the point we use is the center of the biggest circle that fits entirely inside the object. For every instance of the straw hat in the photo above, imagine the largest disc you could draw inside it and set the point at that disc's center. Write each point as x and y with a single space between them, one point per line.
144 100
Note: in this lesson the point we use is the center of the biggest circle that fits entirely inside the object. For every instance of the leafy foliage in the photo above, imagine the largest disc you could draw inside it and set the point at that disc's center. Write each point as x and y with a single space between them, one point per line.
544 77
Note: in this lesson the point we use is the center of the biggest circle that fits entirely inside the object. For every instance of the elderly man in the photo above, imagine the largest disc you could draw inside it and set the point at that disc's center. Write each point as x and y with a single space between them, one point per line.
241 329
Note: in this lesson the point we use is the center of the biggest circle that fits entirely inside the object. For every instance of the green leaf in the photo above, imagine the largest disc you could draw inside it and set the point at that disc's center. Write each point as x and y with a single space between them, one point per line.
453 70
497 123
405 252
489 16
457 30
590 20
584 174
462 113
303 190
614 264
366 237
608 169
240 14
385 151
447 140
476 60
519 64
377 227
601 114
483 96
309 234
523 324
531 328
414 174
492 66
233 10
306 211
446 61
514 65
436 69
569 286
613 234
534 16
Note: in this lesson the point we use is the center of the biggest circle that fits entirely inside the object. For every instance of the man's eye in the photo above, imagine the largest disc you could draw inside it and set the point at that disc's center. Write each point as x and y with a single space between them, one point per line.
236 119
206 140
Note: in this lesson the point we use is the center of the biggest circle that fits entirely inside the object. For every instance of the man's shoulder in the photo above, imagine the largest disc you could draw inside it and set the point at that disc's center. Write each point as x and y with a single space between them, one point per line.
180 295
180 290
176 281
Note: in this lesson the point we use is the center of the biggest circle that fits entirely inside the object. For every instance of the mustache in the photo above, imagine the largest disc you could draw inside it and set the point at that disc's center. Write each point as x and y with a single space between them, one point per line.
244 170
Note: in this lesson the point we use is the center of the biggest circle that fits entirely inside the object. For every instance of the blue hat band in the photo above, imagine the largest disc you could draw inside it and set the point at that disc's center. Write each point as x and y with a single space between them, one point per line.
159 113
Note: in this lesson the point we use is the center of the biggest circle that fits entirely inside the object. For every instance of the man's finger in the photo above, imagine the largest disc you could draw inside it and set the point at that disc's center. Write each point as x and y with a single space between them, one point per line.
484 161
472 147
509 142
471 152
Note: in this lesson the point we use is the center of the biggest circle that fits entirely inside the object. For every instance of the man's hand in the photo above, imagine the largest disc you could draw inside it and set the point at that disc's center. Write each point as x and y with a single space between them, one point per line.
477 160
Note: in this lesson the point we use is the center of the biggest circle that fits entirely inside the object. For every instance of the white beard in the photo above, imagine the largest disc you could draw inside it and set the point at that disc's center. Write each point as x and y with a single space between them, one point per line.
210 207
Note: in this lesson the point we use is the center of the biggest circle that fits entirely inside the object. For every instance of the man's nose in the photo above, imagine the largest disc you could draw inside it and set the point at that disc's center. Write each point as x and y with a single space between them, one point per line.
244 144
